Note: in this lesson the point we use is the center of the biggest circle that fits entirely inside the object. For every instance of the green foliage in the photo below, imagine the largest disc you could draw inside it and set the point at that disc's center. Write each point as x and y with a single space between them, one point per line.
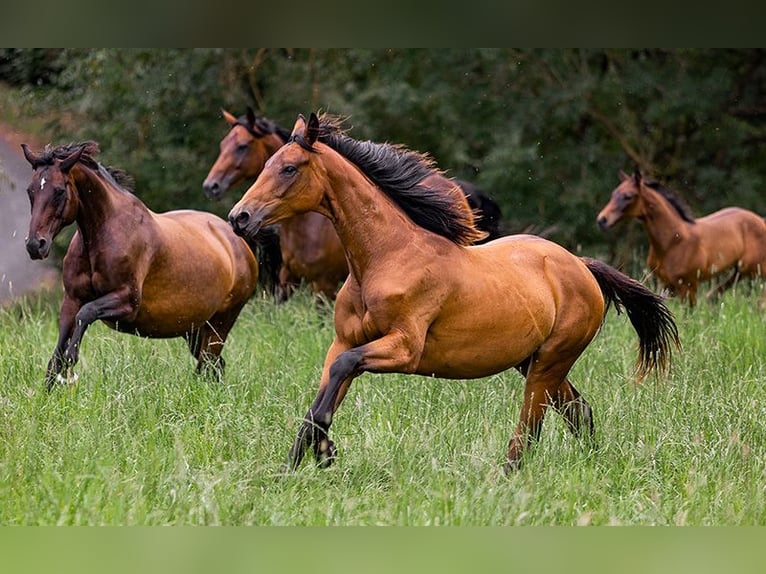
19 66
543 131
142 440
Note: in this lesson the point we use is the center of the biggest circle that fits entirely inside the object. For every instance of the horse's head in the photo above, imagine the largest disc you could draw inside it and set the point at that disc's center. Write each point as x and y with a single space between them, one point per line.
52 197
243 153
287 185
624 203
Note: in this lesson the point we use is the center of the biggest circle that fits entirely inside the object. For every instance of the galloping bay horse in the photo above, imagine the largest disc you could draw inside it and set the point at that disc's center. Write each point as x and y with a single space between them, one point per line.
684 251
175 274
420 299
310 248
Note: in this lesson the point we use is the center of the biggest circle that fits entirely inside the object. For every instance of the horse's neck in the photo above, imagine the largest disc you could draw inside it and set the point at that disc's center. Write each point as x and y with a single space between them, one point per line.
663 224
369 224
100 203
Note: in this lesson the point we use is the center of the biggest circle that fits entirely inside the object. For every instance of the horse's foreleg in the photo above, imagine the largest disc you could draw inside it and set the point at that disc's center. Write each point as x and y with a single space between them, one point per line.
313 431
69 308
115 306
391 353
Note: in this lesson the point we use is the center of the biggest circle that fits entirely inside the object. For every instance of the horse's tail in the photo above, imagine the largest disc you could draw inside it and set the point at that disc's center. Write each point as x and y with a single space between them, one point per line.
652 320
266 248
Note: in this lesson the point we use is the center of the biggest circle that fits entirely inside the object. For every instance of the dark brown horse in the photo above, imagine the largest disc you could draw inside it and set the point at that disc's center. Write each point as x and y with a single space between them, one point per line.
310 248
176 274
419 300
684 251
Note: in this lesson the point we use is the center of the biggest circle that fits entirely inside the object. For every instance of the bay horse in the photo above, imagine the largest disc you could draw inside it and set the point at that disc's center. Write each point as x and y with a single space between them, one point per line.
310 248
684 251
420 299
176 274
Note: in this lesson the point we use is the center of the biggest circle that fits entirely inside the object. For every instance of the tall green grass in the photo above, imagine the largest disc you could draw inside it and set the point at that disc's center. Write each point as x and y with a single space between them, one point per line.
141 439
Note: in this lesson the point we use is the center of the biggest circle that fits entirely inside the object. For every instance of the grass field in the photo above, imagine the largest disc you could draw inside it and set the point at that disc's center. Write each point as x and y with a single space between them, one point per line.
142 440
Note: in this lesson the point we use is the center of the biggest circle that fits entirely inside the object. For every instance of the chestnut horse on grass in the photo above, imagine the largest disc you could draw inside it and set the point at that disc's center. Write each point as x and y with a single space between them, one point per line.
310 247
420 300
176 274
684 251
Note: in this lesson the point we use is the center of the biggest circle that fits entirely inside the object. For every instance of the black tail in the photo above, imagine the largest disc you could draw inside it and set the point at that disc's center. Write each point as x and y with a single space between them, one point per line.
266 248
652 320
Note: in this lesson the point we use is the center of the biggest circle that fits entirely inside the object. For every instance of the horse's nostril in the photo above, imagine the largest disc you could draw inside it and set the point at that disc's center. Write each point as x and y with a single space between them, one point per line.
37 247
239 220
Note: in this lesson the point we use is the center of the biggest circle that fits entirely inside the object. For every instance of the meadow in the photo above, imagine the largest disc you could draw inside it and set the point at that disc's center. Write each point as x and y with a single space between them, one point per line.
141 440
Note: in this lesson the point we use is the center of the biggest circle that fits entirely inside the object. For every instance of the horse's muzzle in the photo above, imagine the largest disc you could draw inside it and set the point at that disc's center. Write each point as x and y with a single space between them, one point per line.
38 247
244 224
213 189
602 223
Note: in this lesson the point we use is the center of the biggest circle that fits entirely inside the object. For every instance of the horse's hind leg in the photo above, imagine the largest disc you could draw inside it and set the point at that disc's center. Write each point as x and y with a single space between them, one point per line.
574 408
205 345
537 398
576 412
546 386
723 287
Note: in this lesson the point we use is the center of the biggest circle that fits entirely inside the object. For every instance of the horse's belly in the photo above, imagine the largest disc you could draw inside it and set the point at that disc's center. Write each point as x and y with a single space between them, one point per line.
465 354
161 321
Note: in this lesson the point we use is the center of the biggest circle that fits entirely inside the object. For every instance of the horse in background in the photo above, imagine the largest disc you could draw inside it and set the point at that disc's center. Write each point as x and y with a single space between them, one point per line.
422 299
683 250
310 250
176 274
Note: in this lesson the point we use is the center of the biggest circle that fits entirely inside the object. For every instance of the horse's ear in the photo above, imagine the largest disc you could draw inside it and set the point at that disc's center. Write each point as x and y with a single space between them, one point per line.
300 126
623 176
31 157
68 162
637 178
312 129
231 120
250 116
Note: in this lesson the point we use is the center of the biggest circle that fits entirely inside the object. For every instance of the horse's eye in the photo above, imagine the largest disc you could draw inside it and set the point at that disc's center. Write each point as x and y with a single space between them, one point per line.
289 170
242 148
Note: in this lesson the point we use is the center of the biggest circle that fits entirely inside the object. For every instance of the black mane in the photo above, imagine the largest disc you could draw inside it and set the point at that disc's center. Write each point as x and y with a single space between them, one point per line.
89 149
398 172
262 127
683 210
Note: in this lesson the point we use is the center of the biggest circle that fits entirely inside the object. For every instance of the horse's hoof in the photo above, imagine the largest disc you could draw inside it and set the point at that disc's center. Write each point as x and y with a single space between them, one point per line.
511 466
326 453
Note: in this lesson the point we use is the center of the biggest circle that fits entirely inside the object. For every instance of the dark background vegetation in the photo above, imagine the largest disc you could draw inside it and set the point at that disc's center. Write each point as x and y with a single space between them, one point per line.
543 131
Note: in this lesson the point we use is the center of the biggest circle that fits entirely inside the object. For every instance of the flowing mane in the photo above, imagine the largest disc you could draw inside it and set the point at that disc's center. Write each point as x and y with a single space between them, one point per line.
89 148
259 127
398 172
675 201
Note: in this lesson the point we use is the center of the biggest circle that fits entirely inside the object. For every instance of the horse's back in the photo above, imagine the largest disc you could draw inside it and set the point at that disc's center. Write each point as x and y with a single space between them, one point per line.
735 215
516 295
529 259
732 235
